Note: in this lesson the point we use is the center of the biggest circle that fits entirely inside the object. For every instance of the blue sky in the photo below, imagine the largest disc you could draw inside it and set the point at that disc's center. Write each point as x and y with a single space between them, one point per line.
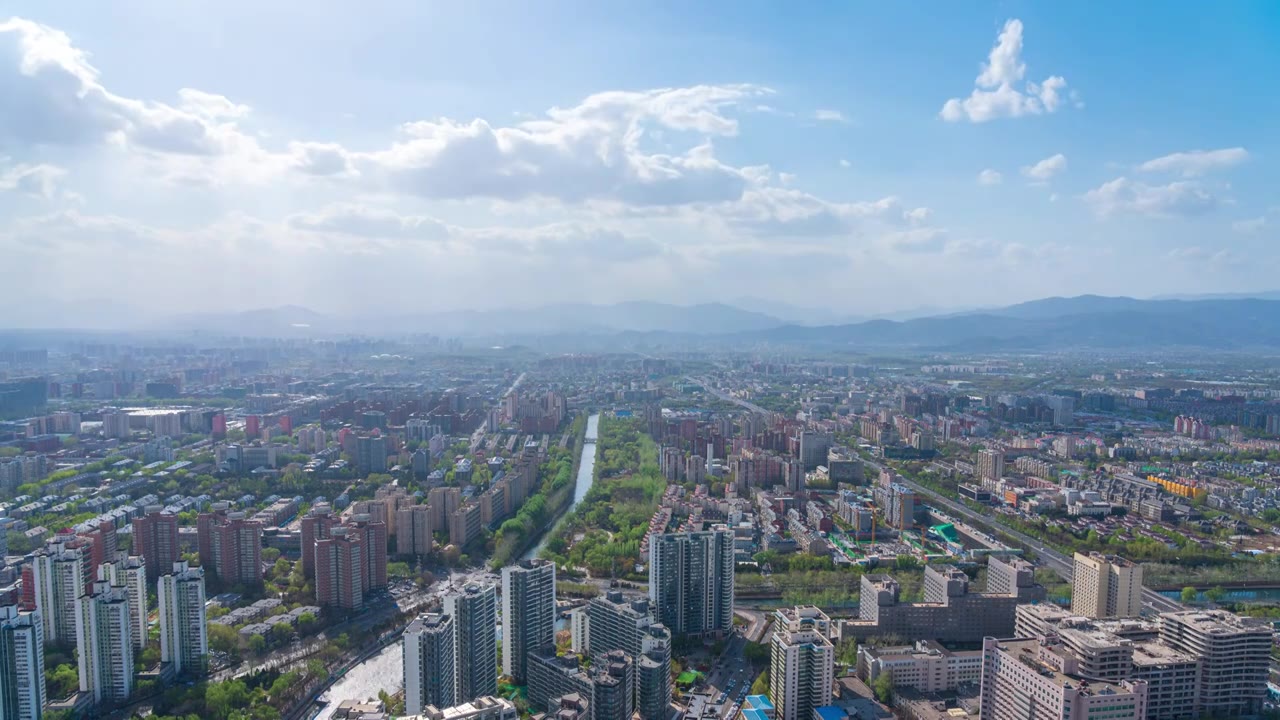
853 156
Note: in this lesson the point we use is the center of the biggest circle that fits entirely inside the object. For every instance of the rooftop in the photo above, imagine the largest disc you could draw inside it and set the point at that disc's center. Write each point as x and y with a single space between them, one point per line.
1028 653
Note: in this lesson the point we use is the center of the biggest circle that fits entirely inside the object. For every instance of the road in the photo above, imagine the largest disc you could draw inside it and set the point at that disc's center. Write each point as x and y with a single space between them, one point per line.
727 397
478 436
1053 559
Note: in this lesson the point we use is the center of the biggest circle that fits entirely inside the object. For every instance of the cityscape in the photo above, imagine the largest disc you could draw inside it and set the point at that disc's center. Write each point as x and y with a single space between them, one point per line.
567 361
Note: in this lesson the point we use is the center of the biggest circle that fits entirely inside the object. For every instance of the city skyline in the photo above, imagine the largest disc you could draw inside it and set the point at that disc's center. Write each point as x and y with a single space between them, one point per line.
868 160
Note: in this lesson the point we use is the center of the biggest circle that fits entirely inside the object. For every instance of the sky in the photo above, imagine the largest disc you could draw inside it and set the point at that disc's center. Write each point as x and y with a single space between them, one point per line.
403 156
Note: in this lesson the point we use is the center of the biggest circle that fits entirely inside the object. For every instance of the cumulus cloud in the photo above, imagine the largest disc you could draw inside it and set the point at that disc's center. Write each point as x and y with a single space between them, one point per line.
1046 168
41 180
53 96
1123 195
917 240
321 159
591 151
829 116
1196 162
990 177
1000 90
773 211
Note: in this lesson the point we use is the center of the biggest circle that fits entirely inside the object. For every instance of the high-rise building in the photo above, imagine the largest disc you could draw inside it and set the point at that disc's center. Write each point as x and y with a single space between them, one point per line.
371 453
58 574
653 674
1234 658
801 667
474 610
22 689
990 464
691 577
617 622
315 526
813 448
340 569
373 537
413 530
155 540
444 502
130 573
1104 586
613 687
105 644
184 640
231 545
1039 680
528 614
430 677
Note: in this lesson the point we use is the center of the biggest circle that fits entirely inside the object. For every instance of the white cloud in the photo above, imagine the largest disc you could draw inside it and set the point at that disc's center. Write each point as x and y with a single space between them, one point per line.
1199 257
786 178
845 163
996 93
364 221
917 240
592 151
40 180
1046 168
1196 162
829 116
1249 226
1123 195
990 177
321 159
52 96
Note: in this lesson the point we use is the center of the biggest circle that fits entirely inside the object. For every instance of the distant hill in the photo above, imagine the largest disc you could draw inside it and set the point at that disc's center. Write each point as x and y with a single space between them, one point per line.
577 318
1062 323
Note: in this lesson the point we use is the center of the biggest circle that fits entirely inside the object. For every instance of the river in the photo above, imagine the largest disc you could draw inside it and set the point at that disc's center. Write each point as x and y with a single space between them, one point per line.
385 671
586 473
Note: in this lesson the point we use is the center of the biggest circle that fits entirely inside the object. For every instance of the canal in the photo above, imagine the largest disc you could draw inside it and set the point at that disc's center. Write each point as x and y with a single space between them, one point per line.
586 472
385 671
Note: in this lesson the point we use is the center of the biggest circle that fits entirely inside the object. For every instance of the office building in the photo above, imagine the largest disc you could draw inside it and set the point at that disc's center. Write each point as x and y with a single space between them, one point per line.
58 573
1105 586
1038 680
339 569
813 448
155 540
691 576
104 642
926 666
475 615
801 667
22 684
951 611
430 676
528 614
1234 657
184 641
1010 575
315 526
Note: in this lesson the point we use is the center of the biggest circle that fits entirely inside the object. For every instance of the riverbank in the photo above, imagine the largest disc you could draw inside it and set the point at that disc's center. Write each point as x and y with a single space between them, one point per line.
584 475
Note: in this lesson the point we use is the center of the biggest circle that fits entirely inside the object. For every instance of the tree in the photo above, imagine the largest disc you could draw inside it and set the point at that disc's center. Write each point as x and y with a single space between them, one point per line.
1189 595
847 652
257 644
761 685
1215 594
222 638
882 686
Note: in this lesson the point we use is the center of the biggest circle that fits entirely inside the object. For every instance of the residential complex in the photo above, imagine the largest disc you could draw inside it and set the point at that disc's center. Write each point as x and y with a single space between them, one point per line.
430 676
802 664
22 681
474 611
691 581
184 638
1105 586
528 614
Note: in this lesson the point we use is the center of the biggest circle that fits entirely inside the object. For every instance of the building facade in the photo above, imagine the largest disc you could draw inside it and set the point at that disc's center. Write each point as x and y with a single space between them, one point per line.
475 615
430 676
184 640
691 581
528 614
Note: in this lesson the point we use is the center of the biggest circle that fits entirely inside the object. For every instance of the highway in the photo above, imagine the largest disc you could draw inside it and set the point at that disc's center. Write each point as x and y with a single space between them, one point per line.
1056 561
729 398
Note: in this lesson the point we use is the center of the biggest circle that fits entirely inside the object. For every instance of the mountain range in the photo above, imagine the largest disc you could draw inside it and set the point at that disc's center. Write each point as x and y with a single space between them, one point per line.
1056 323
